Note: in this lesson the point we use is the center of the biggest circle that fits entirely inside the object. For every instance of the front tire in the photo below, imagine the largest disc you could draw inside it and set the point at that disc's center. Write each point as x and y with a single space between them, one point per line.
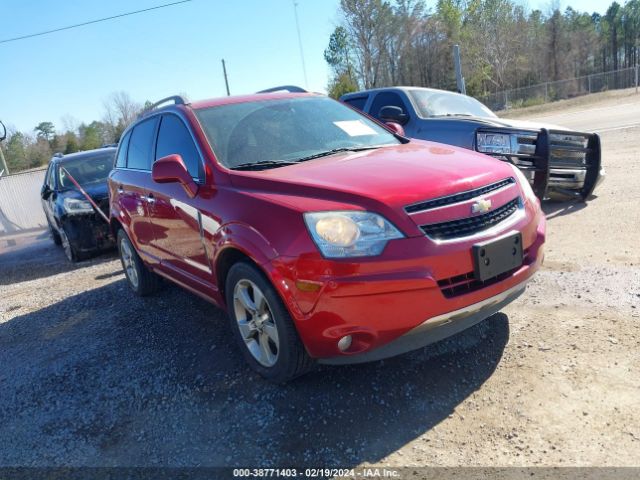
263 327
54 234
140 279
70 250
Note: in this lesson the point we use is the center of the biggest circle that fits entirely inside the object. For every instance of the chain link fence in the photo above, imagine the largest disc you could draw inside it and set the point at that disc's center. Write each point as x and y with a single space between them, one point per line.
561 89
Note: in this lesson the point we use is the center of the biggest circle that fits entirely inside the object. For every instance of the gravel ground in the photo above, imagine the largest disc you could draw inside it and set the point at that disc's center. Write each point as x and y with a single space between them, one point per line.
93 376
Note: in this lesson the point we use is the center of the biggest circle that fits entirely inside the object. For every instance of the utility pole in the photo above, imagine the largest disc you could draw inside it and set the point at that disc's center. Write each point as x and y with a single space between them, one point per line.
226 81
459 78
304 68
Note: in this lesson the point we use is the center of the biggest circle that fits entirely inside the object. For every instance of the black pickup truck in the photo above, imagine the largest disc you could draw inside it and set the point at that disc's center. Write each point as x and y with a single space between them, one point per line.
555 159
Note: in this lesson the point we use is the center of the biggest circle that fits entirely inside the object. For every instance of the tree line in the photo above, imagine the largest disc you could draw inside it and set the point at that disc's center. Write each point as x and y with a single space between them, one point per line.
27 150
403 42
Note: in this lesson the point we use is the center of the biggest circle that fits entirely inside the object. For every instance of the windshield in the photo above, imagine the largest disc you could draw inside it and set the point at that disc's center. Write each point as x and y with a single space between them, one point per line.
287 130
85 170
436 103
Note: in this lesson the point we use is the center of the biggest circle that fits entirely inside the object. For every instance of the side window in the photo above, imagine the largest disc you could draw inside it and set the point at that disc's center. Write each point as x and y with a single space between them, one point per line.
48 179
386 99
174 138
141 145
357 102
121 159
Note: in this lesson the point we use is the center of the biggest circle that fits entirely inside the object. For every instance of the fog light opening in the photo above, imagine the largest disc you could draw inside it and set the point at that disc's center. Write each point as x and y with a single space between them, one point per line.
344 343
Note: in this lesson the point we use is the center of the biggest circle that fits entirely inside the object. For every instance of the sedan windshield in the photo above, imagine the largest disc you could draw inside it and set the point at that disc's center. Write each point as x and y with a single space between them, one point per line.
85 170
273 133
437 103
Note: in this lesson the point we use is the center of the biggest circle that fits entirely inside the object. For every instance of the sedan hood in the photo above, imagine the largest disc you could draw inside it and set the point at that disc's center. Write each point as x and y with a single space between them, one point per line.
394 176
97 191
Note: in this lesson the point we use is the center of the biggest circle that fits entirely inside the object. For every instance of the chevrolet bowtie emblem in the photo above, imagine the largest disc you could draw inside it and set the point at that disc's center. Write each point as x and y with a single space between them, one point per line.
481 206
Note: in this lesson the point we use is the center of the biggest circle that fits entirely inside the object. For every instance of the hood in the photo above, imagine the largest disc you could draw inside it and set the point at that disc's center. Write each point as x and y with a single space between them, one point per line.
394 176
510 123
97 191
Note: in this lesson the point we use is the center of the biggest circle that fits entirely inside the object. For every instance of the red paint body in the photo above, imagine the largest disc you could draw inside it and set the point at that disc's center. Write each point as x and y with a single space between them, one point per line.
260 213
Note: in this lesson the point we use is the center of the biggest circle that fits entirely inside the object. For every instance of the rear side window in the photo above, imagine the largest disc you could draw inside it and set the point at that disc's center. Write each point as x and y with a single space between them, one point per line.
121 159
386 99
141 145
174 138
357 102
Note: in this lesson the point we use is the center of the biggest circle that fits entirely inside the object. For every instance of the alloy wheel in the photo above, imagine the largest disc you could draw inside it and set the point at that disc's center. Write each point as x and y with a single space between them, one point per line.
128 262
256 323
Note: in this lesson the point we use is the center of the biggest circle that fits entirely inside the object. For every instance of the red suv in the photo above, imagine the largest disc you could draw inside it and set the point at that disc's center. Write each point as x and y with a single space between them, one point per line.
325 235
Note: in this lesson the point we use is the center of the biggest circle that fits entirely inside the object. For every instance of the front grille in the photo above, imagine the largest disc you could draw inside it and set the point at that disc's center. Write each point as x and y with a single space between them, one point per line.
568 150
471 225
458 197
466 283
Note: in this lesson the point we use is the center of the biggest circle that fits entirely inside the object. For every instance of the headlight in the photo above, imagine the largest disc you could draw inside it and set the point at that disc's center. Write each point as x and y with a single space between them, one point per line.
493 142
524 184
73 206
350 233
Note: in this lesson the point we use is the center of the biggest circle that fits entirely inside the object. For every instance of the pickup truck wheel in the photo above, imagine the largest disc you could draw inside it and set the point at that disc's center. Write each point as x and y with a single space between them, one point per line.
141 280
263 327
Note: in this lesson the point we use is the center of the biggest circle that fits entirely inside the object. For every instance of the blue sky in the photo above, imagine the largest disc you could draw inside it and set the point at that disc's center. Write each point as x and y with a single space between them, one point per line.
156 54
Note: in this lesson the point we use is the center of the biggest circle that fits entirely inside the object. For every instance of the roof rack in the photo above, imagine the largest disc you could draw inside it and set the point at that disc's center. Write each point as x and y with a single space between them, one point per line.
176 99
284 88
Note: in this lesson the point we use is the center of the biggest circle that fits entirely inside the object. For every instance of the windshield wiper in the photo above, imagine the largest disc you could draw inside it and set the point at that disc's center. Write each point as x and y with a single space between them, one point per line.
263 164
452 115
336 150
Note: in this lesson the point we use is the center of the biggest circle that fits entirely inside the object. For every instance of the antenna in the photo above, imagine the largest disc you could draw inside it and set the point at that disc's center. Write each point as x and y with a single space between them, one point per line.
304 68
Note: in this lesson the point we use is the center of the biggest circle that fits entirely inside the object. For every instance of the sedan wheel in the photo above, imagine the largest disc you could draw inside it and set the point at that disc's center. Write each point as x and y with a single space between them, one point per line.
255 322
68 248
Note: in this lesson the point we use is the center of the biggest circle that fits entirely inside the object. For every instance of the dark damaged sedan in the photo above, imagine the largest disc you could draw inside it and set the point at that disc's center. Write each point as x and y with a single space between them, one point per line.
73 221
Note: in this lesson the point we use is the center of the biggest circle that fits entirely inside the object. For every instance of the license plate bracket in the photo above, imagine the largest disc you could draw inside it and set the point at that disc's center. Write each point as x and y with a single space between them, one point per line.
494 257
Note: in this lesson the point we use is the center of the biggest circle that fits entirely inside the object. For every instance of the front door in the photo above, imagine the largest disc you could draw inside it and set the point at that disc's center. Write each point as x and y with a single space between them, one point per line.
176 220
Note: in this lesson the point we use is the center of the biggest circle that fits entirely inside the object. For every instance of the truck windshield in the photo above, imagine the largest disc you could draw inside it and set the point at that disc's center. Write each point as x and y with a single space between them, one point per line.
437 103
270 132
85 170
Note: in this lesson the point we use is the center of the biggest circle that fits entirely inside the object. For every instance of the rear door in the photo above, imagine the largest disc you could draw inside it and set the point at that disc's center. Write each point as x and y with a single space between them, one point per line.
176 219
132 179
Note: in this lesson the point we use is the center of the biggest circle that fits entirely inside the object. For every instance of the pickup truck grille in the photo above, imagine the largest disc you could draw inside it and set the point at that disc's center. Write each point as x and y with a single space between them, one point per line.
471 225
458 197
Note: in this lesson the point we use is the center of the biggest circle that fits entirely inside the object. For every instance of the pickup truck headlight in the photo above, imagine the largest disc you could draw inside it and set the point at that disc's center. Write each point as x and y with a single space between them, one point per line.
74 206
346 234
493 142
524 184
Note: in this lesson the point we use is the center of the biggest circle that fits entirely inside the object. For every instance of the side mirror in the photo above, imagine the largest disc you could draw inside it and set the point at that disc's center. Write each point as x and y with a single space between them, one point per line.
396 127
172 169
393 114
45 192
3 131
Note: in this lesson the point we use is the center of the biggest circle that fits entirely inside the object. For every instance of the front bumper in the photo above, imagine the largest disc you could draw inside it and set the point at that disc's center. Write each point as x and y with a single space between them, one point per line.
437 328
88 232
400 296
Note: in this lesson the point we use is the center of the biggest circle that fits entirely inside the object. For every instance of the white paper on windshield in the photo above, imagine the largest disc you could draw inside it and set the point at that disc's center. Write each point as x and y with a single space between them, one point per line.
355 128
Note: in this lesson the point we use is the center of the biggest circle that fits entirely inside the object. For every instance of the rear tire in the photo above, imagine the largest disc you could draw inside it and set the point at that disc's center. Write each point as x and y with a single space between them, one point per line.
262 326
140 279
